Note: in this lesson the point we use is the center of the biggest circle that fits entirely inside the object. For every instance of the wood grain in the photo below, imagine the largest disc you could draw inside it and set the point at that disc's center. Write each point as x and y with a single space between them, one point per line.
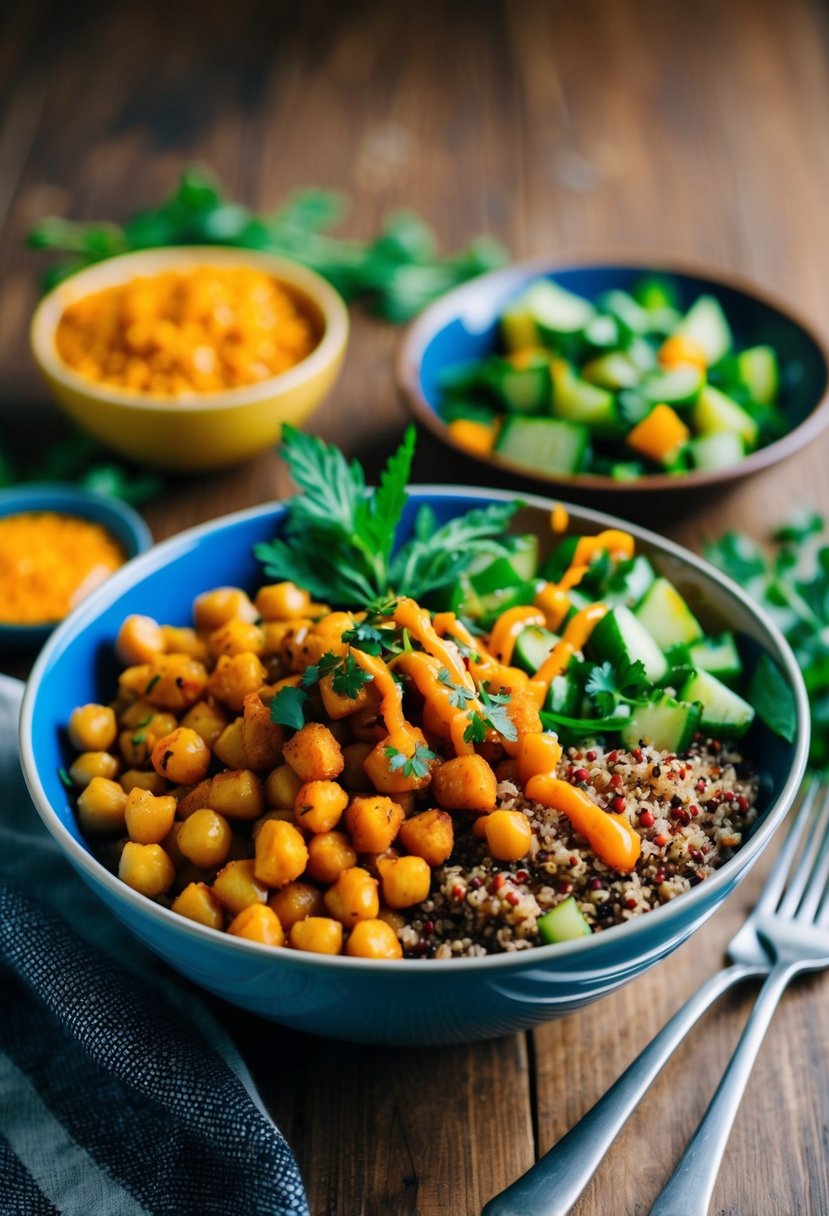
634 126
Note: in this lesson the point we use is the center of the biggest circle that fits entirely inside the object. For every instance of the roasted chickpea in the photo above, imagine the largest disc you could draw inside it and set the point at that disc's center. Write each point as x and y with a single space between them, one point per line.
465 783
234 677
145 779
230 746
295 901
236 795
314 754
207 720
281 602
215 608
373 939
508 834
430 835
92 728
404 881
197 902
329 854
148 818
236 637
101 807
353 897
282 786
181 639
182 756
262 739
281 854
373 822
319 805
204 838
146 868
139 640
93 764
236 886
258 923
318 934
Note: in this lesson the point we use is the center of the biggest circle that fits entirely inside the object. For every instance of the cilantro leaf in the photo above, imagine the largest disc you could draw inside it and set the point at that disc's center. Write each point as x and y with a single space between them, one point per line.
496 715
477 728
288 707
459 696
347 678
416 765
313 674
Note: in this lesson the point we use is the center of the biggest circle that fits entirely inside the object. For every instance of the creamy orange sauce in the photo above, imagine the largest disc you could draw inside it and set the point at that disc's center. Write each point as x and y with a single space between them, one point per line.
610 836
507 628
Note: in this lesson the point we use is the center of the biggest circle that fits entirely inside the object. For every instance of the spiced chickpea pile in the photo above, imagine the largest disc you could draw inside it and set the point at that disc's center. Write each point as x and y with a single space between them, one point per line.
311 839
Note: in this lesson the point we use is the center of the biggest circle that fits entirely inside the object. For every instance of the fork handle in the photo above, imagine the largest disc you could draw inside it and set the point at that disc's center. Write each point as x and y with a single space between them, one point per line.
554 1183
689 1189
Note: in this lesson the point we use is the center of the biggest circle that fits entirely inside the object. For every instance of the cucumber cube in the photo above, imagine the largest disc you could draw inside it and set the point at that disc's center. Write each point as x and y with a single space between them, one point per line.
575 400
679 387
719 451
614 370
563 923
715 413
665 723
544 445
705 323
555 310
666 616
717 655
532 647
757 369
724 713
619 636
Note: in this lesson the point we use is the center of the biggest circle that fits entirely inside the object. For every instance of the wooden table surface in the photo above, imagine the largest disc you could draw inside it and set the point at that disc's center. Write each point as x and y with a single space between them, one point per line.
694 130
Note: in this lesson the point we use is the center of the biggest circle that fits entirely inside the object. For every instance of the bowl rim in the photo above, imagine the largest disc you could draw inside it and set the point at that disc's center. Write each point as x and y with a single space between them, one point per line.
66 499
666 915
438 314
117 270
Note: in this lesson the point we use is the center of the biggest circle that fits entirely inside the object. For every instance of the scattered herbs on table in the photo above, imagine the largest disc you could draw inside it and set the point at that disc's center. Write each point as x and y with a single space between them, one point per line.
79 459
791 582
398 272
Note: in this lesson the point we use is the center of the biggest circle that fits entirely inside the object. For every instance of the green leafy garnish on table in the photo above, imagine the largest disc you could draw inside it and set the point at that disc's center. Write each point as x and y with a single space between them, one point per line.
340 542
398 272
791 582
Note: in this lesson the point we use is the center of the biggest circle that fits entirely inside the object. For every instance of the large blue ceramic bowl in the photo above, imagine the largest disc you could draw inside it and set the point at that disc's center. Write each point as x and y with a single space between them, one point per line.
405 1002
115 516
463 325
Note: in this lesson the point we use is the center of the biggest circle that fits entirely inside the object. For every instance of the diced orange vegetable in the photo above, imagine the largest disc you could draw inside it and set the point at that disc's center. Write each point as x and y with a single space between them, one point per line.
679 351
476 437
660 435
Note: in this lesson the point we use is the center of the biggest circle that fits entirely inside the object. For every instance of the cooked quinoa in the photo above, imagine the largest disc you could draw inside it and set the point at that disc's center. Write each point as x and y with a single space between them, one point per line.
691 812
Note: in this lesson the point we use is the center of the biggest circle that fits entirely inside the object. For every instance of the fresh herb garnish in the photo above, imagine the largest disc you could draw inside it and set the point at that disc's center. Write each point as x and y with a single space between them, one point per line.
772 698
459 697
416 765
398 272
338 541
493 716
288 707
609 686
65 780
348 678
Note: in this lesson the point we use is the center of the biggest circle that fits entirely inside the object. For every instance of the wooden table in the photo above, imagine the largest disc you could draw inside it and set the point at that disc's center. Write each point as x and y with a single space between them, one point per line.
699 130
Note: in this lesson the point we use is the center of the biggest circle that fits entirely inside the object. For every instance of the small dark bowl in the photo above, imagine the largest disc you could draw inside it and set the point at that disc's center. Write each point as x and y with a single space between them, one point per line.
463 324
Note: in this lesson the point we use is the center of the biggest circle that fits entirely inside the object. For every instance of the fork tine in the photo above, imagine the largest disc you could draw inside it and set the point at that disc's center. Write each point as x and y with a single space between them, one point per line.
776 881
802 875
817 885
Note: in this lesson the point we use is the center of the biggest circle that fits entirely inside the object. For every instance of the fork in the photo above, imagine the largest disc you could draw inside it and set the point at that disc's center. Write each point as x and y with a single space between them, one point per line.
555 1182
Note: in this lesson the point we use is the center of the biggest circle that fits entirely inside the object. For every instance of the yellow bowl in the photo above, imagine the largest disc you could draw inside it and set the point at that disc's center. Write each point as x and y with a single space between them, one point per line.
199 431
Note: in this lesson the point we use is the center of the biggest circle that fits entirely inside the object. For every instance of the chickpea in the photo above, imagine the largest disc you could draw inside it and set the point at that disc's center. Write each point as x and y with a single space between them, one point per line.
318 934
192 798
197 902
234 677
236 637
537 754
215 608
207 720
373 822
236 795
148 818
143 779
146 868
101 807
338 706
353 776
204 838
258 923
281 855
466 783
139 640
174 681
230 746
134 747
508 834
93 764
285 816
329 854
314 754
405 881
236 886
295 901
262 739
282 786
373 939
182 756
137 715
319 805
353 897
281 602
92 728
378 763
430 835
181 639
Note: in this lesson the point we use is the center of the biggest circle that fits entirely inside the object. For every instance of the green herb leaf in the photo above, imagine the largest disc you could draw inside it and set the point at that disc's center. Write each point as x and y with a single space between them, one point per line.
772 698
459 696
348 678
65 780
288 707
496 715
417 765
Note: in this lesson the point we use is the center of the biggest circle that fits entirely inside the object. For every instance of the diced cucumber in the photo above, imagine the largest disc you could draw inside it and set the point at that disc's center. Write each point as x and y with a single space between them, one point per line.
601 332
679 386
473 411
718 656
724 713
619 635
522 390
523 555
719 451
614 370
629 316
575 400
643 355
664 723
714 413
758 371
547 445
666 616
496 602
563 923
532 647
627 470
555 310
564 695
630 581
461 378
655 294
705 323
560 559
497 575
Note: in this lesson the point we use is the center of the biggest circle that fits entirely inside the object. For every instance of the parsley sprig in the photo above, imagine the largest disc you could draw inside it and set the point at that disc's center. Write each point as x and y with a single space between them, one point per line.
494 715
347 678
342 544
417 765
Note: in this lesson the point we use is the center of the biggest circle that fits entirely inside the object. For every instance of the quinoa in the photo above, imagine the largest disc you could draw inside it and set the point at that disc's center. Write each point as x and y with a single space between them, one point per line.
691 812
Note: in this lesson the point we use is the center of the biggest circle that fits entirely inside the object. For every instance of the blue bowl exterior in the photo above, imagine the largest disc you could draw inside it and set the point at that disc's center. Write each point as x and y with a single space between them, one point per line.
406 1002
120 521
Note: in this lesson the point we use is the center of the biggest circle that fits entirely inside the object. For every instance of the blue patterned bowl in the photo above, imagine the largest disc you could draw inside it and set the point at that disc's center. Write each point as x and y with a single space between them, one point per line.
406 1002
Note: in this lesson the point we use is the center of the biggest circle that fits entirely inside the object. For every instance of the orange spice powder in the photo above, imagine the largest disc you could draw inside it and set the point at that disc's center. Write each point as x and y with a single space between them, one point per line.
49 562
184 332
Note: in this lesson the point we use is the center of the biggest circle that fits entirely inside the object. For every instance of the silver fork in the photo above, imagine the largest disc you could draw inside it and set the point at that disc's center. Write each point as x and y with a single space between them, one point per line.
555 1182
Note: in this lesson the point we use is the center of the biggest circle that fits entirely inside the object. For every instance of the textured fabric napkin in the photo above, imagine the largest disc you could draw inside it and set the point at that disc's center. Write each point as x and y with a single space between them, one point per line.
119 1093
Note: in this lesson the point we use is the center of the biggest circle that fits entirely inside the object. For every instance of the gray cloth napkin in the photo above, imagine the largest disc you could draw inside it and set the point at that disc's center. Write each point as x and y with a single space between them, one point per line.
119 1093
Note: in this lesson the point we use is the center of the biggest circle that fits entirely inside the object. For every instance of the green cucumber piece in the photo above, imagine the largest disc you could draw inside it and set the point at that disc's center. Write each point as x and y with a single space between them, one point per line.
555 310
532 647
705 323
602 333
522 390
575 400
627 470
496 602
564 695
718 656
715 413
613 370
655 294
665 723
758 370
721 450
545 445
563 923
724 713
497 575
630 581
472 411
523 555
629 316
680 386
560 559
619 636
666 616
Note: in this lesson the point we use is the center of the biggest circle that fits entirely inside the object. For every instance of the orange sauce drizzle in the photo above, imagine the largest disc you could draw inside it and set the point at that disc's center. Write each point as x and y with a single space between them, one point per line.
574 638
424 668
391 695
507 628
610 837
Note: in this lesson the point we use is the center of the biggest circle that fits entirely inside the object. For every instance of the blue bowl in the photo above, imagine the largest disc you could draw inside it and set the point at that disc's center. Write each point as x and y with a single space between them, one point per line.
463 325
124 524
403 1002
